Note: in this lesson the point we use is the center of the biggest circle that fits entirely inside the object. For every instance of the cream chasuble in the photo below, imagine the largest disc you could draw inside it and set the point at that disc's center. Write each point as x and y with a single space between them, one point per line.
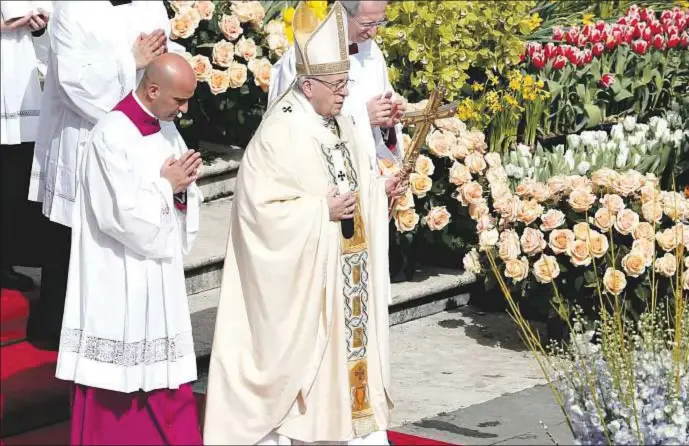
301 340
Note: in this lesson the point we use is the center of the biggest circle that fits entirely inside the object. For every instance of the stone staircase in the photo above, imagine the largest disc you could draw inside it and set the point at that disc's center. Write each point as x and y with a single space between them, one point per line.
432 290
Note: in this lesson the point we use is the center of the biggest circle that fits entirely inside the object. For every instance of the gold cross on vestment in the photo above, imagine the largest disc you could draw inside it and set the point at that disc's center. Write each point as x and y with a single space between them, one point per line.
422 120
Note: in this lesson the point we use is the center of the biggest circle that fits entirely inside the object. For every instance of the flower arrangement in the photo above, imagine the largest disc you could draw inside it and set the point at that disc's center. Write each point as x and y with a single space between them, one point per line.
636 66
231 51
646 148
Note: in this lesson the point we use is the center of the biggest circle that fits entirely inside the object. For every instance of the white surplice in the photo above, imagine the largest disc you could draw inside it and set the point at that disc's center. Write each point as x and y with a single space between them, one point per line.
126 324
301 336
91 68
20 90
369 77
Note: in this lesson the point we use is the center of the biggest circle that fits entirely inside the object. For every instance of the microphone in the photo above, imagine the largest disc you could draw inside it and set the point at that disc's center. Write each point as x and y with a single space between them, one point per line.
347 227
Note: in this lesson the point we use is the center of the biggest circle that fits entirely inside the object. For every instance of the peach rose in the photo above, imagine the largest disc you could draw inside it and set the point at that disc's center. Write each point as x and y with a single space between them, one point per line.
666 265
180 5
508 207
406 220
652 211
453 125
560 239
476 141
469 193
182 26
472 262
478 210
509 246
626 221
546 269
493 159
485 223
581 200
206 8
244 10
405 202
582 230
223 53
604 178
261 68
230 27
647 248
634 263
420 184
238 74
578 182
627 183
274 27
557 185
682 231
540 192
524 188
459 150
219 81
278 44
440 142
603 219
673 205
649 192
498 190
475 162
194 14
598 244
552 219
258 13
613 203
202 67
644 230
437 218
245 48
388 167
667 240
578 252
532 241
517 269
529 211
459 174
487 239
424 165
614 281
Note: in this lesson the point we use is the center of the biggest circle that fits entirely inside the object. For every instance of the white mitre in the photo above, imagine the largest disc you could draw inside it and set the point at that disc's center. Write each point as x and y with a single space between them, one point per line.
320 48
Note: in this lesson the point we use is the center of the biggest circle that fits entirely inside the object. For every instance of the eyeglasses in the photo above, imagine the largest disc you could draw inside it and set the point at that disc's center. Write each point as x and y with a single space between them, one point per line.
369 25
335 87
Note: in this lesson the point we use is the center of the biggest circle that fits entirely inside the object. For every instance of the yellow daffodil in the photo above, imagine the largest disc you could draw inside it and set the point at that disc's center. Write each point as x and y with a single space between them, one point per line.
476 87
588 19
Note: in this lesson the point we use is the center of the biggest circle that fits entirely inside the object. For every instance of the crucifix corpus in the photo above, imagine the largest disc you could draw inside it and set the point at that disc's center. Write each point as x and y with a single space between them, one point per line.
422 120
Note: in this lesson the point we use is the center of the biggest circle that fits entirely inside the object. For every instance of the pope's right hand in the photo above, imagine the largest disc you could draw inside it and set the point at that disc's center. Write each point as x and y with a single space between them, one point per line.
341 206
380 110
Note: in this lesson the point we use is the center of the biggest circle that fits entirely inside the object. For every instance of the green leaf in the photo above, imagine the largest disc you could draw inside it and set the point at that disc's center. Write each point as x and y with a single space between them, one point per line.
622 95
594 114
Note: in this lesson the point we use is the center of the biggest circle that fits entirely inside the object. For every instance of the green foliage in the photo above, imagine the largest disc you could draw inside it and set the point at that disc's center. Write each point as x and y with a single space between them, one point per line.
446 41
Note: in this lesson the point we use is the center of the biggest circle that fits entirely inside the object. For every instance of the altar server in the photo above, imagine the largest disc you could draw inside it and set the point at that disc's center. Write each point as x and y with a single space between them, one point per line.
126 337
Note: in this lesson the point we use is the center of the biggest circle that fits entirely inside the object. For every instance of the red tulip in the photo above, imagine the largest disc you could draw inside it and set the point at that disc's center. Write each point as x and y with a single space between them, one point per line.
659 42
582 41
681 22
622 21
628 35
588 56
647 14
667 24
522 58
538 61
600 25
558 34
533 48
573 55
667 14
595 36
597 49
632 20
559 62
607 80
633 10
611 43
550 50
684 40
640 46
671 30
673 40
656 27
572 35
639 29
678 13
586 30
647 34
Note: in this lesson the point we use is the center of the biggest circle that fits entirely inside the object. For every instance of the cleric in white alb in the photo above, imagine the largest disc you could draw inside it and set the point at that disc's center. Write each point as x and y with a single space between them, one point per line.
126 338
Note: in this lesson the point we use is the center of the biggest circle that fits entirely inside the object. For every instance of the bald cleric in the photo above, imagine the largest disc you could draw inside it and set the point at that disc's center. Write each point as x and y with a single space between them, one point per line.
126 339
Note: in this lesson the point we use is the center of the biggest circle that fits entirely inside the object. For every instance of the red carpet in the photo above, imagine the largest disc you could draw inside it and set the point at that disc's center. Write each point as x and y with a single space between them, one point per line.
14 311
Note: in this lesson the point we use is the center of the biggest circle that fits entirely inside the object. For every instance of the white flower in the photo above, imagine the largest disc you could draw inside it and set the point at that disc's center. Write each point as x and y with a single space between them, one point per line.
629 123
472 262
583 167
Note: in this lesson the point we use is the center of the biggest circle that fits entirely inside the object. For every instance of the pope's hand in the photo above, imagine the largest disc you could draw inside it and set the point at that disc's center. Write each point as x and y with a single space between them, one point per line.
15 24
380 110
397 185
341 206
148 47
39 20
182 172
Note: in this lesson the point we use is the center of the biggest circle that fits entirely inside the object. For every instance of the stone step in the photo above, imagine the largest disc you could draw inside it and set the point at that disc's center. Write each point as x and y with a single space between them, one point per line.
432 291
218 173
